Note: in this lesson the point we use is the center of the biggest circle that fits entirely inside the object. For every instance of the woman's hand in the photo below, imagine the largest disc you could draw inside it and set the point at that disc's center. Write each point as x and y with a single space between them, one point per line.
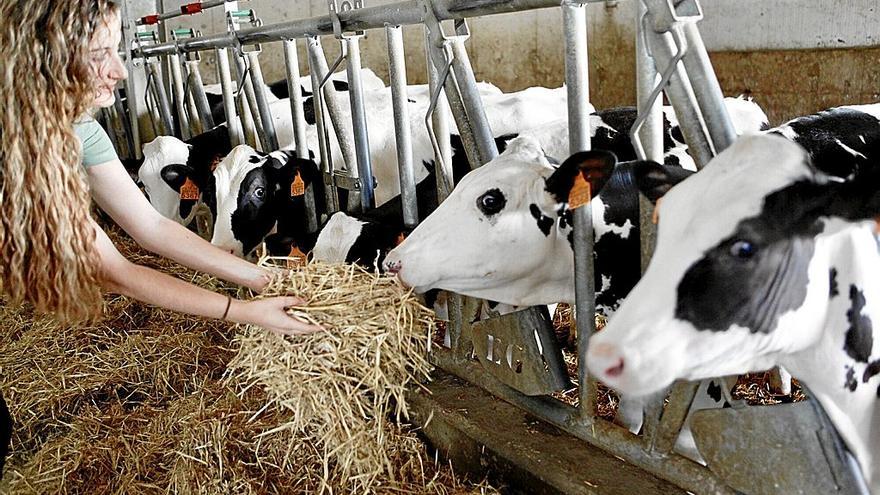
271 314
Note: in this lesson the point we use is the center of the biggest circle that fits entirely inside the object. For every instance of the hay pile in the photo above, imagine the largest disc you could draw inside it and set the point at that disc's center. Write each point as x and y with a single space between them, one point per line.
143 402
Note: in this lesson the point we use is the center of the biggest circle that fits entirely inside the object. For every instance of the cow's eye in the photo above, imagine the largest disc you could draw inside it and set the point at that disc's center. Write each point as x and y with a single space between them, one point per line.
491 202
260 192
743 249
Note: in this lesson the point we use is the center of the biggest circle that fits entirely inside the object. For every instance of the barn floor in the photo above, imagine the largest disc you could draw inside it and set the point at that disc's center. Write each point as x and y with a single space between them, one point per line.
480 433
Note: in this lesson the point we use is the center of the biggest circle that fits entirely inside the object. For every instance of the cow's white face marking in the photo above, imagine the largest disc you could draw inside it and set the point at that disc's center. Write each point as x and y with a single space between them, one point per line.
497 249
228 177
159 153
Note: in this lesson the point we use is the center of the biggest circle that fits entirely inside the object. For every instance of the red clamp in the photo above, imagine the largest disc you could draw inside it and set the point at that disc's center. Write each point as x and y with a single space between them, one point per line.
191 8
149 20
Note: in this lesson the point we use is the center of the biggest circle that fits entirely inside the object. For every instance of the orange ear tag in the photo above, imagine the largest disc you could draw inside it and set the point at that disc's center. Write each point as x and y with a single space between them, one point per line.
298 259
655 215
297 187
580 193
189 190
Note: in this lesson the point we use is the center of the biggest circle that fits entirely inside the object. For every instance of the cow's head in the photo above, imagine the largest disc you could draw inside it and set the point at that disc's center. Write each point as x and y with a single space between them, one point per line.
740 273
252 191
491 237
163 172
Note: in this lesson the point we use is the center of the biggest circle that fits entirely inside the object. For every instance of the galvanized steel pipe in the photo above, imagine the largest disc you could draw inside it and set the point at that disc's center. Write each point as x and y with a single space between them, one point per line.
359 123
294 85
236 134
403 134
270 140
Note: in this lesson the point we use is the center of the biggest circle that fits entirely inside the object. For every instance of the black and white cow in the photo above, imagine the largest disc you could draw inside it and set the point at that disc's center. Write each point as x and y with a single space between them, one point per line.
169 162
762 259
505 112
453 248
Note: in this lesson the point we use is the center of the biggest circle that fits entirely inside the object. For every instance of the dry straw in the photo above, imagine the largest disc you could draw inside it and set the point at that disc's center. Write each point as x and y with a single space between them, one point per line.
142 401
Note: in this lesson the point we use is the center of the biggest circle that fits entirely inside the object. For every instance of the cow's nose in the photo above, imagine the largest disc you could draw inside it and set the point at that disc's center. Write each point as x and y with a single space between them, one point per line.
606 359
392 266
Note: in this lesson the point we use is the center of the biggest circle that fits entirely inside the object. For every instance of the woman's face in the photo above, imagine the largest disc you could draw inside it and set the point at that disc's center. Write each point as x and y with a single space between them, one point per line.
107 67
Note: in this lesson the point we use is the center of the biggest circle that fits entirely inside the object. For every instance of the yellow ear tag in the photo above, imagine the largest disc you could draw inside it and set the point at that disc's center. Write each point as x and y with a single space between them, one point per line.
580 193
189 190
298 259
297 187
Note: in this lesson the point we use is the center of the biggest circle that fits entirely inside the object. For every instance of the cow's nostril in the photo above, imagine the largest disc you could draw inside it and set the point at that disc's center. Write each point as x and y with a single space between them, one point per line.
616 370
392 267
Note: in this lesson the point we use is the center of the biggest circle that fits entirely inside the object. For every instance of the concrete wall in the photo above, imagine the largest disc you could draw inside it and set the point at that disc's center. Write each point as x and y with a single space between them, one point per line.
793 56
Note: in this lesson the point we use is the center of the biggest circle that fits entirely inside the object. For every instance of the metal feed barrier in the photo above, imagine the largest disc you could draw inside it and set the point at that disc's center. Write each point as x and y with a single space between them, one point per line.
515 356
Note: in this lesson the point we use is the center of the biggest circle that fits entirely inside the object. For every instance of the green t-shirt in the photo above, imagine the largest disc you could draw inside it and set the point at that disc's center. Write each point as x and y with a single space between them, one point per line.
97 147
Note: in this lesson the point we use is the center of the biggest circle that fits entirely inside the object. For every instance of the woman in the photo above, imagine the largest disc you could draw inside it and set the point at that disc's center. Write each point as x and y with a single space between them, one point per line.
60 59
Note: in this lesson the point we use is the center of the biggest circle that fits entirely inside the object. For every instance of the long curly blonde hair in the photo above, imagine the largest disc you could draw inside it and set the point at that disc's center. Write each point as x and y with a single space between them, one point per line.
48 256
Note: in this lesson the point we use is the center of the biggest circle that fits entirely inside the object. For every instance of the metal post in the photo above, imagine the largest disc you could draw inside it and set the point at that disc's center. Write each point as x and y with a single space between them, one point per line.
131 96
577 74
651 132
359 123
236 135
291 65
707 89
665 50
126 124
440 124
248 104
270 141
161 97
179 97
315 69
197 89
403 134
461 88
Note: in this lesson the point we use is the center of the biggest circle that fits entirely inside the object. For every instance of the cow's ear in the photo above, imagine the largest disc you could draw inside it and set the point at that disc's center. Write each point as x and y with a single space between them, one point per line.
857 199
594 166
655 180
175 175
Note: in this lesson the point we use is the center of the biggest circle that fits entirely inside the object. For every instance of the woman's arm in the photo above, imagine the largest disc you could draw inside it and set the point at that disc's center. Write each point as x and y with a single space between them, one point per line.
116 194
144 284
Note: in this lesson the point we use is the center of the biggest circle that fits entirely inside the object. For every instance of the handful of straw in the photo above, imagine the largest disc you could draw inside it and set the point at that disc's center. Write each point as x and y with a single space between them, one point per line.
341 386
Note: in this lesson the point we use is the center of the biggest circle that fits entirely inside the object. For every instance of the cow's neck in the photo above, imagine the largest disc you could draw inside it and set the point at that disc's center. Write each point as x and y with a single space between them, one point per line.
828 370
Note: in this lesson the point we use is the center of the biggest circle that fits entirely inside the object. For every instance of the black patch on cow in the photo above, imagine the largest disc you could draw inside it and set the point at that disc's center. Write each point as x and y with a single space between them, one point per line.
280 89
725 405
714 391
309 110
205 150
833 289
820 132
655 180
374 241
765 126
859 340
671 161
613 136
410 100
253 217
492 304
871 371
675 133
758 273
491 202
254 159
545 223
850 382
